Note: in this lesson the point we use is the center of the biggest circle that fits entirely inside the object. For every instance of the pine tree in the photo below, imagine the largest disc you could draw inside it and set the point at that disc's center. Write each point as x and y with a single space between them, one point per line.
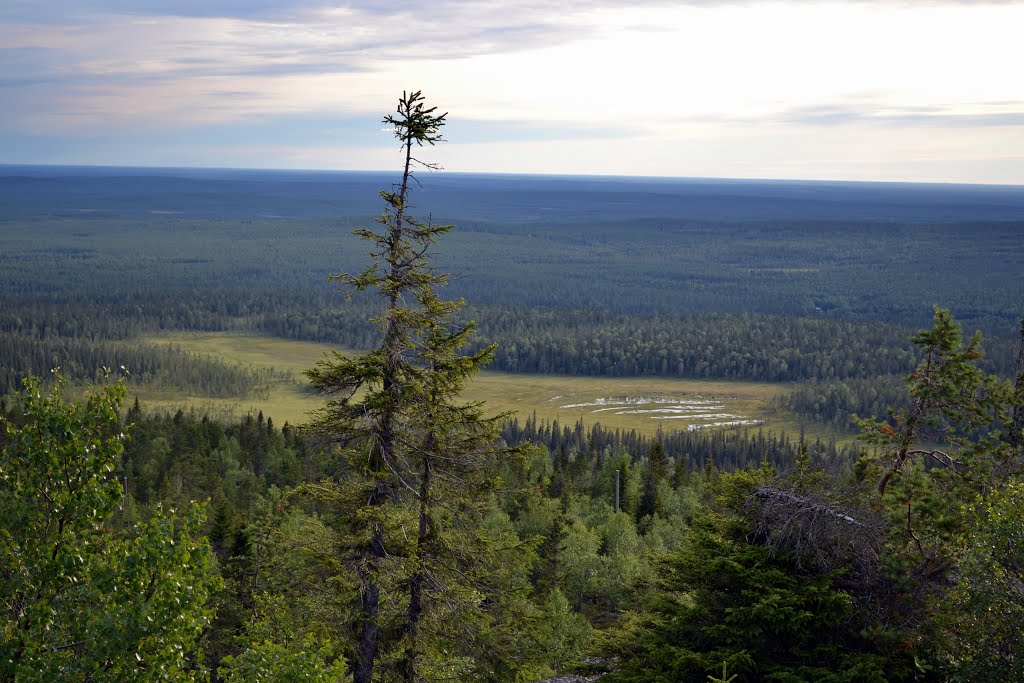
411 452
949 467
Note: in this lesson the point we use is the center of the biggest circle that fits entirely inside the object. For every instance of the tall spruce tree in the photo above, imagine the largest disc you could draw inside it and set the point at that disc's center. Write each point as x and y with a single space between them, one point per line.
409 450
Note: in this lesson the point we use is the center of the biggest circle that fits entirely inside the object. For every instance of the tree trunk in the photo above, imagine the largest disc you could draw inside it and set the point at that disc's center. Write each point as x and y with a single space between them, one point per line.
418 578
370 605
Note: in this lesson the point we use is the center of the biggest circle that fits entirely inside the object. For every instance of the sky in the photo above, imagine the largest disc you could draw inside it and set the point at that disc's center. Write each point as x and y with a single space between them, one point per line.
879 90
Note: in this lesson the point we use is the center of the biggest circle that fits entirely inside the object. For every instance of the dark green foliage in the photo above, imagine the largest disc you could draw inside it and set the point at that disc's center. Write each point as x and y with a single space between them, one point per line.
748 346
955 424
274 652
655 470
932 596
729 449
575 243
838 402
722 598
189 455
985 610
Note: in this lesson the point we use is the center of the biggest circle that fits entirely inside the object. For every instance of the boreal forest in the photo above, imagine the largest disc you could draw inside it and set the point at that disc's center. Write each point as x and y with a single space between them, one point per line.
425 426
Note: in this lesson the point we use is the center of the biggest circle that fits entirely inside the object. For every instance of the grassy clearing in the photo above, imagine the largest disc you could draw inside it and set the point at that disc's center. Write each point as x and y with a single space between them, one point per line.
550 396
558 396
285 401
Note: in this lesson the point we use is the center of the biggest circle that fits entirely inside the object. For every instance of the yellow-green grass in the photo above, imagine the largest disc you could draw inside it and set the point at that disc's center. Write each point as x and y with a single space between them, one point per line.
545 395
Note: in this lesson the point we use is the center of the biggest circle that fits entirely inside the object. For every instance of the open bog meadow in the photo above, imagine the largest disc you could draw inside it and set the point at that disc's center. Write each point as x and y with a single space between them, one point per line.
645 404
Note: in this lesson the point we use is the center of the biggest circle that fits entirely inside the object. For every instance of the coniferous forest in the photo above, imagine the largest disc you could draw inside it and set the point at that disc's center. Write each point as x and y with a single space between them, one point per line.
403 533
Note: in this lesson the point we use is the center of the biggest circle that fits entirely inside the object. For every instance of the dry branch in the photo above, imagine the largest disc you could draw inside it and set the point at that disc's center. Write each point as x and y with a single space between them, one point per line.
822 536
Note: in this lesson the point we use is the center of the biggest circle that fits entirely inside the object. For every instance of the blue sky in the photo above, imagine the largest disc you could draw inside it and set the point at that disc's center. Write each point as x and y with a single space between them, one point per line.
904 90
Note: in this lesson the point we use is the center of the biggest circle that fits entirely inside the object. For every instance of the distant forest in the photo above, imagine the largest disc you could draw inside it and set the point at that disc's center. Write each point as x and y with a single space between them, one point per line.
882 252
820 284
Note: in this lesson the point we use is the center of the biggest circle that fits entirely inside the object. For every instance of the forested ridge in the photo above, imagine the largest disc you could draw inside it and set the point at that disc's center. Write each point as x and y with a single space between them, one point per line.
257 530
843 367
405 534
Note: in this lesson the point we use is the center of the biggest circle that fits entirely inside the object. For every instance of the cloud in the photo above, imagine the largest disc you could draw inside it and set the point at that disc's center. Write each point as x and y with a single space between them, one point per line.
986 114
28 65
469 131
117 41
106 63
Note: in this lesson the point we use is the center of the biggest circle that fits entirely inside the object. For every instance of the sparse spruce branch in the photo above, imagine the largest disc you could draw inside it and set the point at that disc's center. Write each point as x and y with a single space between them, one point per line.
725 677
389 376
912 535
950 395
908 434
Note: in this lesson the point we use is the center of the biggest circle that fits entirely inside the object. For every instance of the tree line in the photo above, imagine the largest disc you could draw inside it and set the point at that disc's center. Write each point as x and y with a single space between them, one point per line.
150 365
727 449
839 402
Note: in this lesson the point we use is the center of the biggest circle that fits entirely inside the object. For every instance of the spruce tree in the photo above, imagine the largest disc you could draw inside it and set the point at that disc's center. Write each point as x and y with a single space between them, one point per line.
409 451
654 472
725 597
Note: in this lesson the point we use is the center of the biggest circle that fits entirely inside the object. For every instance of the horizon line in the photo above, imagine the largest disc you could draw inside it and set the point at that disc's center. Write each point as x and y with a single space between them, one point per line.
598 176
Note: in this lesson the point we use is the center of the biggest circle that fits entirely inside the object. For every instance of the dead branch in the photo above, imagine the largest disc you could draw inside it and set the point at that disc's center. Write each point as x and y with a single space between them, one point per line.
821 535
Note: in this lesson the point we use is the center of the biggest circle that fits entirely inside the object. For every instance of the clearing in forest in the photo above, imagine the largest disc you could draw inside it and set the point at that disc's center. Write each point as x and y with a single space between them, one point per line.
642 403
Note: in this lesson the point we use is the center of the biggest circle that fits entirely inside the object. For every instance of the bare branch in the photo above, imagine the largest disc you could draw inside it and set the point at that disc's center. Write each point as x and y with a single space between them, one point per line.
820 535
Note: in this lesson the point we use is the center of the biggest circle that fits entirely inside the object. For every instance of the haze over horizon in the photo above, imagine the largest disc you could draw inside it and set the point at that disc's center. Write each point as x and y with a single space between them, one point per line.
920 91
